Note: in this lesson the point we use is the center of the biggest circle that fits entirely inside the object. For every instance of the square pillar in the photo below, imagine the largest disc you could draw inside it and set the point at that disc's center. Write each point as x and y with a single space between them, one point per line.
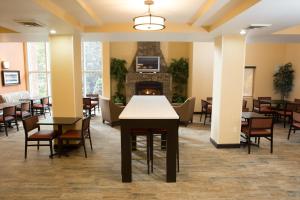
66 75
228 81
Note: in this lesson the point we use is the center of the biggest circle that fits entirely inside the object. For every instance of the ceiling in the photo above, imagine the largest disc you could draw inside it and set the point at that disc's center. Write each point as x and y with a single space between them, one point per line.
187 20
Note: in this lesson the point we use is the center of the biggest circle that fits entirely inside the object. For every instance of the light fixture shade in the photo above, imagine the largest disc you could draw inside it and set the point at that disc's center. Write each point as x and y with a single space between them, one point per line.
149 23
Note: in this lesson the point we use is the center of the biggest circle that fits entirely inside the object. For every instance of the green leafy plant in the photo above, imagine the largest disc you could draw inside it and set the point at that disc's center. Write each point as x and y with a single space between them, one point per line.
118 72
283 80
179 68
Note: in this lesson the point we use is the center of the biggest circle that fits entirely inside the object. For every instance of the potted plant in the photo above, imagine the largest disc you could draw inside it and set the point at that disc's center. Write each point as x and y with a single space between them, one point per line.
179 68
118 72
283 80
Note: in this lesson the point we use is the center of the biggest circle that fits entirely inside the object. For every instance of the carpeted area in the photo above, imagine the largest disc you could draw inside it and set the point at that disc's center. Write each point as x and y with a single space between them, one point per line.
205 172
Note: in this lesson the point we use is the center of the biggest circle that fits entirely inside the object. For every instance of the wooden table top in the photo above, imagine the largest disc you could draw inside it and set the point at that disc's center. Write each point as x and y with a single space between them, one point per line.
251 115
4 105
148 107
59 121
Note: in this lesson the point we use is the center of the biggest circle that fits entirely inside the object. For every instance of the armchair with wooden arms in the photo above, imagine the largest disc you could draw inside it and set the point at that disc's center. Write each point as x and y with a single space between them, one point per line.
110 111
186 111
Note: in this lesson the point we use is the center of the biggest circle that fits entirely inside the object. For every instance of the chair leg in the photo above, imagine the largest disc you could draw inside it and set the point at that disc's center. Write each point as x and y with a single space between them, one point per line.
271 144
51 150
25 155
148 153
258 141
90 139
16 122
205 115
249 143
289 132
60 143
5 127
83 142
151 151
177 155
38 145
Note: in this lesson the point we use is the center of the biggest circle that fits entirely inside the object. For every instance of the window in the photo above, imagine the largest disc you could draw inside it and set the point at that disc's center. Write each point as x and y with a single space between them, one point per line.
92 68
249 81
38 61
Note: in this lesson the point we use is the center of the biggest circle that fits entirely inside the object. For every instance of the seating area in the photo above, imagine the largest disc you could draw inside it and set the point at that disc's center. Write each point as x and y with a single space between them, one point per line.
149 100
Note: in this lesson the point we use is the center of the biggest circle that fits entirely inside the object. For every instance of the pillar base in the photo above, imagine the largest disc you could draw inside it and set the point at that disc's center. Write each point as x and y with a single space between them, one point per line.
222 146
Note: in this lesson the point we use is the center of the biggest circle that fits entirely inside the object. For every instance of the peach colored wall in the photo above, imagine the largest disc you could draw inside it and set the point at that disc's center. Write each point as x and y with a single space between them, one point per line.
293 55
14 54
266 57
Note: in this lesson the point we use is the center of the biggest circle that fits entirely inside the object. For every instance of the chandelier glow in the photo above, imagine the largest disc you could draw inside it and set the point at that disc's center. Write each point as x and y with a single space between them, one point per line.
149 22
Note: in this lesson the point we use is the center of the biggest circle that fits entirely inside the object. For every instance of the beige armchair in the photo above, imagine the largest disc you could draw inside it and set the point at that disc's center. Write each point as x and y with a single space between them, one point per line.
186 111
110 111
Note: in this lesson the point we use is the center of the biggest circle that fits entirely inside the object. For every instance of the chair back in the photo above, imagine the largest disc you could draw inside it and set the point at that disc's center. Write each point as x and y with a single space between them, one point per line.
264 98
93 95
25 106
204 105
45 101
296 117
9 111
290 107
209 98
87 101
261 123
86 123
30 124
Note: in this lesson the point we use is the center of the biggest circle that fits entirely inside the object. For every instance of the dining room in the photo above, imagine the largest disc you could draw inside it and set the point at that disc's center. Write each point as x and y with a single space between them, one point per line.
197 110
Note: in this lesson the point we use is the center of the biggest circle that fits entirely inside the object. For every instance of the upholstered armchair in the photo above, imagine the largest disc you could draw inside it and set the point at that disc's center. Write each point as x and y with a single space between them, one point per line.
110 111
186 111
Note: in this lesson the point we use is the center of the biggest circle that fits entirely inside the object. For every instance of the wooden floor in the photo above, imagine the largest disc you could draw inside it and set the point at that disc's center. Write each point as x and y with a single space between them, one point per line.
205 172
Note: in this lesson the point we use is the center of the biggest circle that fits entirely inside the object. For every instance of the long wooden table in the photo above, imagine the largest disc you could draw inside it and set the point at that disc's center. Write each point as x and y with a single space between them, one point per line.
149 112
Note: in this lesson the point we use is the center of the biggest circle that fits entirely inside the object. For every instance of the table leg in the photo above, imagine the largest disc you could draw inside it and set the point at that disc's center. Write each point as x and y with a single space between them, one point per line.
126 153
172 145
31 105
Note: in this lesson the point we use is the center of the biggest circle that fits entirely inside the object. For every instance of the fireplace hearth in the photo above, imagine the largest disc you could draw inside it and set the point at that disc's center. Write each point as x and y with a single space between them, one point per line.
148 88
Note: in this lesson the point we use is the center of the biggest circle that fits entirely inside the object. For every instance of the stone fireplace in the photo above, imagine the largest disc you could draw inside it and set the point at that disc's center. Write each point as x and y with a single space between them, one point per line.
153 83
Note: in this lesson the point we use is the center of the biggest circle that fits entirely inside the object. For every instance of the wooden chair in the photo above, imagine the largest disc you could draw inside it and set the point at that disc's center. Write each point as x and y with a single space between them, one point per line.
287 112
95 99
206 110
186 111
262 107
149 144
24 111
295 125
42 107
245 109
88 106
79 135
29 125
257 128
163 136
8 118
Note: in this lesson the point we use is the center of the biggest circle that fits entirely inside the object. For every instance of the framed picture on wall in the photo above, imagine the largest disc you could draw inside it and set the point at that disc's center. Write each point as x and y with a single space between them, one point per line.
10 78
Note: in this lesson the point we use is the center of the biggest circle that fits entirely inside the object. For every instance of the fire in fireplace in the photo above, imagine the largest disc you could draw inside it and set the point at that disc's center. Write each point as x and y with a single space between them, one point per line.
148 88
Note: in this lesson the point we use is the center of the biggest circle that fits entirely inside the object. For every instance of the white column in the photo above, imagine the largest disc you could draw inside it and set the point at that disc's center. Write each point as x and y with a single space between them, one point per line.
228 81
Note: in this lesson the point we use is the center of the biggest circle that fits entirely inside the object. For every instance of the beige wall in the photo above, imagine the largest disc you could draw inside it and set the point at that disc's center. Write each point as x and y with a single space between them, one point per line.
201 72
293 55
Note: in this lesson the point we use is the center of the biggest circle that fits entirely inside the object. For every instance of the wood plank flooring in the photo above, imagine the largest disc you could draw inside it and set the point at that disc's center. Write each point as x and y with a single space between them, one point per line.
205 172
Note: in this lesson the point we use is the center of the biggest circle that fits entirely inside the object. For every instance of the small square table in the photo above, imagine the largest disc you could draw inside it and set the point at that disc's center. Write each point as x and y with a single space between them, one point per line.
60 122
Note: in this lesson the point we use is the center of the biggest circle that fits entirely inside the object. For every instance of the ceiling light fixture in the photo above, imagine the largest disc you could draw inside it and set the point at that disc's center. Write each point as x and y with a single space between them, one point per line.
243 32
149 22
52 31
